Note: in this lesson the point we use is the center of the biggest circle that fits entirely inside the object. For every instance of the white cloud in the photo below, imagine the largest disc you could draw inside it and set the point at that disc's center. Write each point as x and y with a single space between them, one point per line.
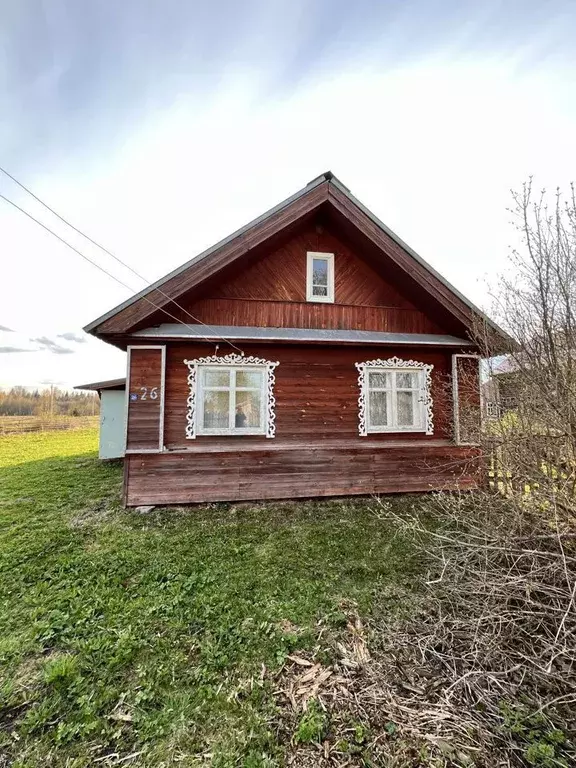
69 336
52 346
431 148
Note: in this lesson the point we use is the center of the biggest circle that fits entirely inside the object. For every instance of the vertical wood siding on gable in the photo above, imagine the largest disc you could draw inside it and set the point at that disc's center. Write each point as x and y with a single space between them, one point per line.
271 292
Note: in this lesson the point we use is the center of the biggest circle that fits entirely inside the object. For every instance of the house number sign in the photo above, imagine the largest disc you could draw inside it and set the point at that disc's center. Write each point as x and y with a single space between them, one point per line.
145 394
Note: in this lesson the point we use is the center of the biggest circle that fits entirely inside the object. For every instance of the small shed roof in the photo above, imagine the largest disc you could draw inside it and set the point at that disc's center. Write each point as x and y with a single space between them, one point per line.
98 386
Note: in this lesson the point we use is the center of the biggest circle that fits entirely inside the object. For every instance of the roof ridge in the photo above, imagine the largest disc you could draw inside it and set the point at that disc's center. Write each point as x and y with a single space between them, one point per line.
328 178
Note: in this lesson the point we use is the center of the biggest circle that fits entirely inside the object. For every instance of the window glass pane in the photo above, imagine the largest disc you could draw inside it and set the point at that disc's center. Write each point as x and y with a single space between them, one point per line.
378 379
378 409
318 290
319 272
405 409
214 378
408 380
249 379
216 410
247 410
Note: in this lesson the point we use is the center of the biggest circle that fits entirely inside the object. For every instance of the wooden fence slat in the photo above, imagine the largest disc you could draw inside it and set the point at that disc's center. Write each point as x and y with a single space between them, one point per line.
12 425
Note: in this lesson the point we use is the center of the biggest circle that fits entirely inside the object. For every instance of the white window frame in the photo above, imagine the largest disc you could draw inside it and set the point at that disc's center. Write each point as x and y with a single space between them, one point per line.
231 389
393 366
233 363
329 258
493 409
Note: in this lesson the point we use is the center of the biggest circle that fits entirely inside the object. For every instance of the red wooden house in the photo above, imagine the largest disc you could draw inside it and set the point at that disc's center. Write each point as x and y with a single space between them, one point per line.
310 353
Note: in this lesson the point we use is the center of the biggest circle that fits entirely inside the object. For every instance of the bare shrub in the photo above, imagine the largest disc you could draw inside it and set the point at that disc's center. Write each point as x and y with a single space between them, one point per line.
535 301
483 671
492 655
491 658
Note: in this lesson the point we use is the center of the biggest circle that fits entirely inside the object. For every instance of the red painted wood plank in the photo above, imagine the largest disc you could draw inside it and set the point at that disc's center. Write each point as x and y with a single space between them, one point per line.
193 478
144 416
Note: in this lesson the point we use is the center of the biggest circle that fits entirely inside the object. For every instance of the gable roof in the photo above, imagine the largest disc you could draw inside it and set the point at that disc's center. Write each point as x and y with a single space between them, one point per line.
325 189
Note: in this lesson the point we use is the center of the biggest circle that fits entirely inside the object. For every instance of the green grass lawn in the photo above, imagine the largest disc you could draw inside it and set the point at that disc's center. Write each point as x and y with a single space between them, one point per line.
153 640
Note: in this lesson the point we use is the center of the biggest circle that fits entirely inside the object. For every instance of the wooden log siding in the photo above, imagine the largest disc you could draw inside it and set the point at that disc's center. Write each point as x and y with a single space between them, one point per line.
277 314
317 450
316 392
144 417
298 472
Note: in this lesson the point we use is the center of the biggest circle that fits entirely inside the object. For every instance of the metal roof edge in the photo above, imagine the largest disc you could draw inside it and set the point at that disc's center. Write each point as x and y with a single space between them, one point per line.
255 333
416 256
242 230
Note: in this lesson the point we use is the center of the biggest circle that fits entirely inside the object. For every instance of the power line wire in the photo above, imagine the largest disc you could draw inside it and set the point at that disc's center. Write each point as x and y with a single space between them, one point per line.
109 274
79 231
109 253
116 258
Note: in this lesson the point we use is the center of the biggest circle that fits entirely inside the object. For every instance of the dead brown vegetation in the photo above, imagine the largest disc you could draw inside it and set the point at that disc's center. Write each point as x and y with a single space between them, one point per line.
482 670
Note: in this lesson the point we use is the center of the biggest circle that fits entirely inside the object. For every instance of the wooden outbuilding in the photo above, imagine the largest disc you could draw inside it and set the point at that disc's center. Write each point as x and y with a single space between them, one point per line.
112 437
310 353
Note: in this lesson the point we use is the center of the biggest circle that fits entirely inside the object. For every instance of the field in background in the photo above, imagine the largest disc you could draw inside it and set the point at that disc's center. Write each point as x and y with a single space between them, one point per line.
157 639
10 425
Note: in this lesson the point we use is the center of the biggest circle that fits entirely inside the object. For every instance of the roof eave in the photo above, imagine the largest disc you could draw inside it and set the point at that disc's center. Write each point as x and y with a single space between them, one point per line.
97 386
252 334
325 178
91 327
416 256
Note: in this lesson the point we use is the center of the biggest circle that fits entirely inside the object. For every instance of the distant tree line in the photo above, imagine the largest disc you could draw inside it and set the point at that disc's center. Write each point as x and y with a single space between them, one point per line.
20 401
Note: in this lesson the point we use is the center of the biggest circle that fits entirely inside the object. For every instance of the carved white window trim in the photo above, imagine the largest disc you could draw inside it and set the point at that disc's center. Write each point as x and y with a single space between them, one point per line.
232 360
395 363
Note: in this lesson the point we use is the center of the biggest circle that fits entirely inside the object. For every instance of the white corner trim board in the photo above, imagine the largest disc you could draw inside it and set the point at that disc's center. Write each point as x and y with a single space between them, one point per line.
232 360
395 364
456 395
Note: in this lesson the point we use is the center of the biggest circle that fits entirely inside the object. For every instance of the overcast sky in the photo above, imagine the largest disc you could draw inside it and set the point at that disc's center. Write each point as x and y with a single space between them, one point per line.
160 127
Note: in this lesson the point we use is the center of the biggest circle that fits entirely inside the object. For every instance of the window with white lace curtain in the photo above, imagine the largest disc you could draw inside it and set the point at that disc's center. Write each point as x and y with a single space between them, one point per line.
395 396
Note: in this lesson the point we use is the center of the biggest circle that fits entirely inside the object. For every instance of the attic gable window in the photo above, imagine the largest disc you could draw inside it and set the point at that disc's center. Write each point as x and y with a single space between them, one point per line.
320 277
